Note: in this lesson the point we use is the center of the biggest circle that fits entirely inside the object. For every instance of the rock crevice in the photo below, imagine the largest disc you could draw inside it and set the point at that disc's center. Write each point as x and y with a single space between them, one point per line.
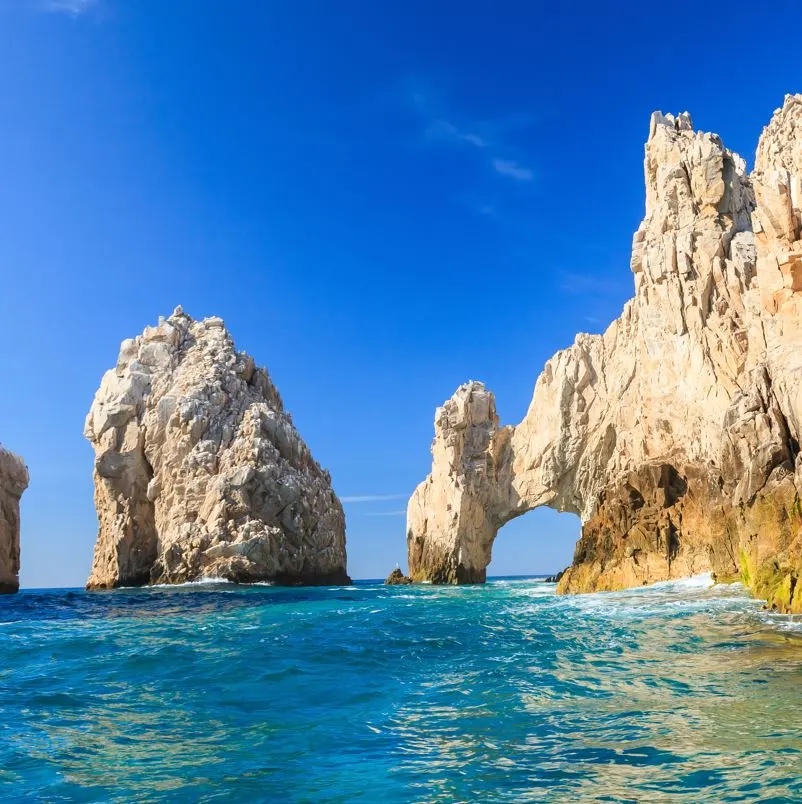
674 434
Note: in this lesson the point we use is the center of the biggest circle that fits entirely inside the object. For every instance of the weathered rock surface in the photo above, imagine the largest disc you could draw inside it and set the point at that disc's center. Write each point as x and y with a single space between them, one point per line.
674 435
397 578
199 471
13 481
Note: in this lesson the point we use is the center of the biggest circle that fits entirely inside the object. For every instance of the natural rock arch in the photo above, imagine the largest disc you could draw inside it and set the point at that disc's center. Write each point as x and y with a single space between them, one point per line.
674 435
537 543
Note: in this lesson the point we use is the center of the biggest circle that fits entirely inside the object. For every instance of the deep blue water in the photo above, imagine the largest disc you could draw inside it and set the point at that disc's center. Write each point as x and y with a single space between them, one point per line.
502 692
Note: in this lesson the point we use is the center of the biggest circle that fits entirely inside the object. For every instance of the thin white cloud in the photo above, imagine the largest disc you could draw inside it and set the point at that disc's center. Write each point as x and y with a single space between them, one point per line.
511 168
369 498
73 7
474 139
440 130
444 130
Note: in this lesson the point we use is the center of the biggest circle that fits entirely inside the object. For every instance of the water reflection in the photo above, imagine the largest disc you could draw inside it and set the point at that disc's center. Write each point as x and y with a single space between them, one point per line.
496 693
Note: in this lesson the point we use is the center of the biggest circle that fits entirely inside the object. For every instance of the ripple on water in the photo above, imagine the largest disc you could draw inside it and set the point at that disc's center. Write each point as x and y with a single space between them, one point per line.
504 692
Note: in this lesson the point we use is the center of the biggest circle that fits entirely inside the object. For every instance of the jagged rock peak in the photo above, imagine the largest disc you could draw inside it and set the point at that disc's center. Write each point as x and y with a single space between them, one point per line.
199 471
682 122
778 183
674 435
14 480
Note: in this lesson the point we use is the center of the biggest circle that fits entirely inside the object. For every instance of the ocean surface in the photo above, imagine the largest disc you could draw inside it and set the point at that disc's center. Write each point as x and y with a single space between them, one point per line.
505 692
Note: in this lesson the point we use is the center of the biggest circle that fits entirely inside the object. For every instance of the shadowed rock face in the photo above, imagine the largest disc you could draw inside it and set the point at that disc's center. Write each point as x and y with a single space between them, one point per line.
13 481
674 435
397 578
199 471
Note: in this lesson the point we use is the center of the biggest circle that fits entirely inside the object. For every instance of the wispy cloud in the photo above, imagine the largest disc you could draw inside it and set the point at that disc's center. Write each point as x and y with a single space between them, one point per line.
399 512
369 498
487 138
73 7
444 130
509 167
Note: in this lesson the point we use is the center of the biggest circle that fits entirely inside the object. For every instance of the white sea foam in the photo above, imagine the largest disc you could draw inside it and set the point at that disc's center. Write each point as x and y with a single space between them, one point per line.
683 595
702 581
199 582
789 623
210 581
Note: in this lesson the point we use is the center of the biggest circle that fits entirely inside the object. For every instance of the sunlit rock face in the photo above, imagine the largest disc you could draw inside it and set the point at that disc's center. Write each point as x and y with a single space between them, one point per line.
674 435
13 481
199 471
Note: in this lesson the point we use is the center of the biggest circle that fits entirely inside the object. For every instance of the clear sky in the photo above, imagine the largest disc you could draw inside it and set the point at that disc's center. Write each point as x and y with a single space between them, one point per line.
381 199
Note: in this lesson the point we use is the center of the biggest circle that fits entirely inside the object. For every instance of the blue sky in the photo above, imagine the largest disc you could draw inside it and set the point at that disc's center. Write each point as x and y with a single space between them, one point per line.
381 199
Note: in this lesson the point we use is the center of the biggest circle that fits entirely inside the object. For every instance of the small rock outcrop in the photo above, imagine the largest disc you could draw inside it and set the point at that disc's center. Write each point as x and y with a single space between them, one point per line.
674 436
199 471
397 578
13 481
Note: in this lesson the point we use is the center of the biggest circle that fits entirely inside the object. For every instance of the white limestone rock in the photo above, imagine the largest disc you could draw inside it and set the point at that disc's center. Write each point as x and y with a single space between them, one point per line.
199 471
674 435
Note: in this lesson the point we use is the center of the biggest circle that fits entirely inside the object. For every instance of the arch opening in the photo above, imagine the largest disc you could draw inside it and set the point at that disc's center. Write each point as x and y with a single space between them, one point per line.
539 542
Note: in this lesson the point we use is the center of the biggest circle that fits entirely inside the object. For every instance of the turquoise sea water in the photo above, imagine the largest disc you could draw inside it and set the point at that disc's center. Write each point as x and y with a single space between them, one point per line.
503 692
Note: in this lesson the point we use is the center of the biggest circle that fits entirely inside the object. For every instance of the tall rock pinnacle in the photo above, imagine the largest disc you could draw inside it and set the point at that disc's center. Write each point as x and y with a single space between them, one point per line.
199 471
13 481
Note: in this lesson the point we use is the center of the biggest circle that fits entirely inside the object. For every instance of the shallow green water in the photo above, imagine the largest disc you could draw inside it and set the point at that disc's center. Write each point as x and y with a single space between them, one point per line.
503 692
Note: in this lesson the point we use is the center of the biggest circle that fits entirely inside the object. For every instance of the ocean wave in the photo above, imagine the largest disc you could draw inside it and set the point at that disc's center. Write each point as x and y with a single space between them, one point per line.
200 582
649 694
702 581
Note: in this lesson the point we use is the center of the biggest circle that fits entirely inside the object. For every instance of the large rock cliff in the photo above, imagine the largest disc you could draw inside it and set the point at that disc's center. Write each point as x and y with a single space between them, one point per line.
674 435
13 481
199 471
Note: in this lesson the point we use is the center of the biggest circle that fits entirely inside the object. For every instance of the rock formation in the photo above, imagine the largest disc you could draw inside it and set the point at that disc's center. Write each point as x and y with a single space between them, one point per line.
13 481
674 435
397 578
199 471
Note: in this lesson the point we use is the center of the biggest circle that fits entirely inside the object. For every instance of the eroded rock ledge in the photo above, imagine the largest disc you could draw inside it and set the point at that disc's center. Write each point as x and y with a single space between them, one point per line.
13 481
674 435
199 471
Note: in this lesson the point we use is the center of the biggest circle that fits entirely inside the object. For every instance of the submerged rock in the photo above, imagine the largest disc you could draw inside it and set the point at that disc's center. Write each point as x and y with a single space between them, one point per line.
396 577
674 436
199 471
14 480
